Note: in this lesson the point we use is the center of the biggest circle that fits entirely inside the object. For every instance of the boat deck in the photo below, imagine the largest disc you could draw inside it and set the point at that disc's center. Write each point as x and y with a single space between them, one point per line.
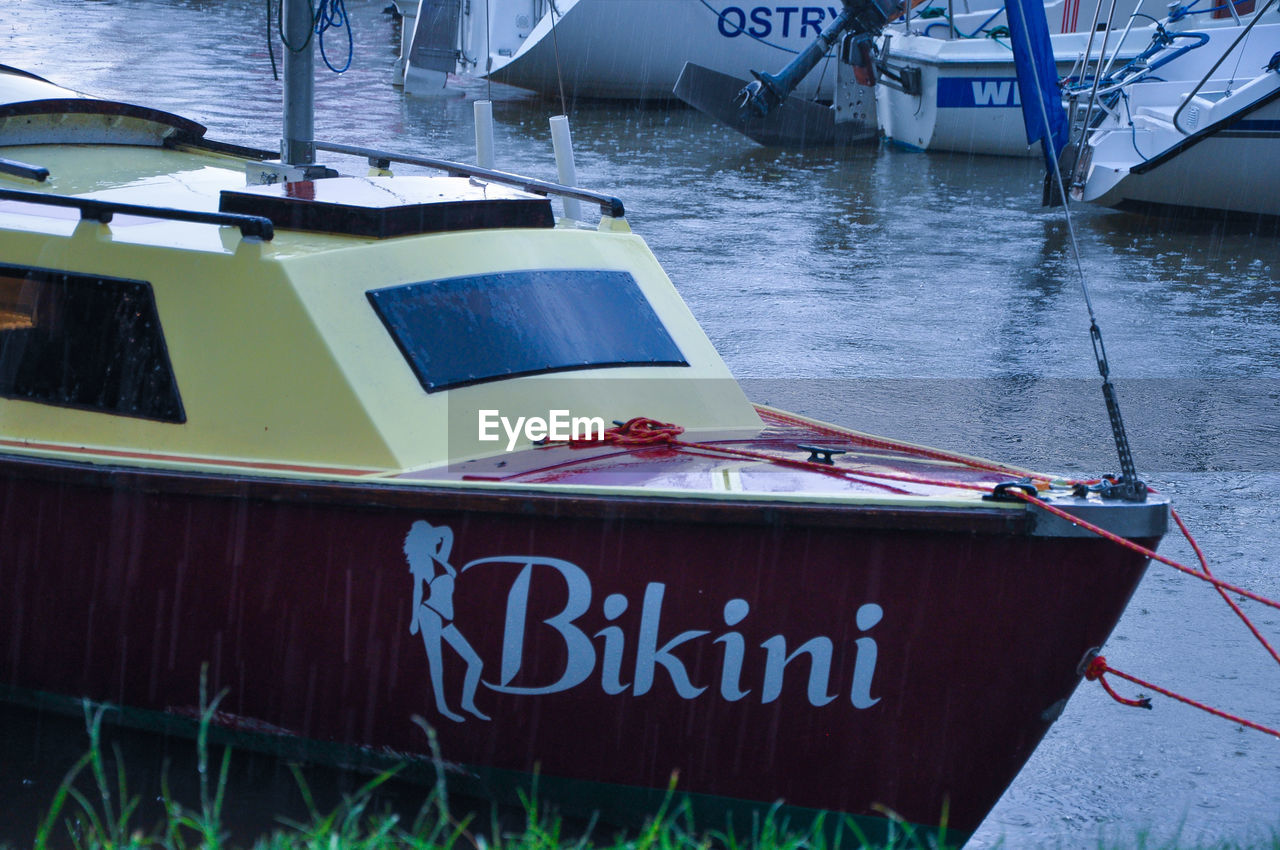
784 459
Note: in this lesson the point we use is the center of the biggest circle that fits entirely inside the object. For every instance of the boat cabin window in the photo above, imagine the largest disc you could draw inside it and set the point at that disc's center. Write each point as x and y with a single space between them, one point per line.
468 330
84 341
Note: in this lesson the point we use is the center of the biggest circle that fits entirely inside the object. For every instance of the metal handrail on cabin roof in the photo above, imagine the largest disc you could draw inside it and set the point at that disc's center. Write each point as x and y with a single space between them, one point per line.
99 210
609 205
18 168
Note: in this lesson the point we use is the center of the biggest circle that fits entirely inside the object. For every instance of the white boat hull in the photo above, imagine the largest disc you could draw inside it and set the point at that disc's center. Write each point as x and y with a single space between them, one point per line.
969 100
1225 172
1213 149
635 49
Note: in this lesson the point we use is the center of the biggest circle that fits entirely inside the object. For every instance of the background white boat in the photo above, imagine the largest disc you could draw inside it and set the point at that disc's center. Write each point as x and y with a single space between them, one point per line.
635 49
1203 137
968 97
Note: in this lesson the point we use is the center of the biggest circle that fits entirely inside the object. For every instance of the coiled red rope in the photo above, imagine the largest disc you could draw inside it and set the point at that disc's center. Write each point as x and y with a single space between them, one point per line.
640 431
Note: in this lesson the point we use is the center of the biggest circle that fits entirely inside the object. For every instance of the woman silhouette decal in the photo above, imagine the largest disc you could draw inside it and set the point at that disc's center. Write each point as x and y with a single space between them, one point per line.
426 547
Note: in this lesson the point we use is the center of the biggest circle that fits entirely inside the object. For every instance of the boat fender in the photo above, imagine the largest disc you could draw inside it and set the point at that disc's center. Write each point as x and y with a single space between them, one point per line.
484 133
562 146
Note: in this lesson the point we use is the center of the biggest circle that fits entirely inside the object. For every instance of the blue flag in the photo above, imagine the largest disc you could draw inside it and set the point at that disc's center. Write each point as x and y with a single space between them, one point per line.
1042 109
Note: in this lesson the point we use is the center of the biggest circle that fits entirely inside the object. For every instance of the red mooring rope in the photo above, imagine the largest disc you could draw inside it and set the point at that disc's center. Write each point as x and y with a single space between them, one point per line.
908 448
1204 567
1129 544
1099 668
642 431
1099 664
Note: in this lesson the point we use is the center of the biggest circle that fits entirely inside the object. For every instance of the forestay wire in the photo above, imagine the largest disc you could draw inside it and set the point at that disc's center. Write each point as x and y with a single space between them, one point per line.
1128 487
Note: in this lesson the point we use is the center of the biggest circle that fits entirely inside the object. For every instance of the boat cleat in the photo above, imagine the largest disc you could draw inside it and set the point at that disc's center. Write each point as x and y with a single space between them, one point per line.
820 454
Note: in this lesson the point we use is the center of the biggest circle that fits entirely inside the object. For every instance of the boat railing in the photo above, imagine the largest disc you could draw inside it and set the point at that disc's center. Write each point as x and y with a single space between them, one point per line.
18 168
94 209
1239 38
609 206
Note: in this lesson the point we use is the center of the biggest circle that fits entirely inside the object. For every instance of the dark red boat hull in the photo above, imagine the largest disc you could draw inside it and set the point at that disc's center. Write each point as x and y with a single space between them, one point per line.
121 586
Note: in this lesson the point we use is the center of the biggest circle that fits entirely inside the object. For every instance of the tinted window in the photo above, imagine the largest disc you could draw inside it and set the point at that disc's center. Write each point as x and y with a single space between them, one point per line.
82 341
466 330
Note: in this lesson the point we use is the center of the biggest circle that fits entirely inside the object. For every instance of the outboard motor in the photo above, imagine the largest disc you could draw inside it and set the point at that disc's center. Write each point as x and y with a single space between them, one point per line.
767 91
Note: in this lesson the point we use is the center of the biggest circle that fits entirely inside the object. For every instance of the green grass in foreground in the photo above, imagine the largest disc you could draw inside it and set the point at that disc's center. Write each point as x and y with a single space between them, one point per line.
106 817
94 809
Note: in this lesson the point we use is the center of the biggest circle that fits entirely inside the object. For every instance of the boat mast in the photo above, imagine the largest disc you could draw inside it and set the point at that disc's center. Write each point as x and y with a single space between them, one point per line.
298 146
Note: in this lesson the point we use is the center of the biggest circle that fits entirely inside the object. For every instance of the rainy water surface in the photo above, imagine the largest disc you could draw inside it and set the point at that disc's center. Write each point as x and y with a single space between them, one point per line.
927 297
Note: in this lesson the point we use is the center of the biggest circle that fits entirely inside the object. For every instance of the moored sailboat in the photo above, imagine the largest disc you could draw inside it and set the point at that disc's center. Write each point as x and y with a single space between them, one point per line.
635 49
922 90
1198 135
346 442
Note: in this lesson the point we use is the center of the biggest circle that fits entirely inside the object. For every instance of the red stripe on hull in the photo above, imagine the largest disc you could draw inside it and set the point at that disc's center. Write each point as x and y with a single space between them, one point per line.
245 466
